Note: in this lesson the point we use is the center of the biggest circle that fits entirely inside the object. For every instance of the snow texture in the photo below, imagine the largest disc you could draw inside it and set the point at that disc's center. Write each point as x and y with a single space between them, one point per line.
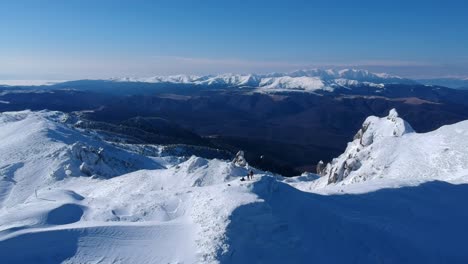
138 209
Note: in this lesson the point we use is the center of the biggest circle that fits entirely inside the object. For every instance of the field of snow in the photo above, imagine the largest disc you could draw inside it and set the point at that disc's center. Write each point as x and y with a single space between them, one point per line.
68 197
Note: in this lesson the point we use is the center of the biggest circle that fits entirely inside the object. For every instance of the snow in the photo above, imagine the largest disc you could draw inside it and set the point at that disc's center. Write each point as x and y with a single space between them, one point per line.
37 149
387 152
405 225
155 210
145 216
303 80
303 83
306 80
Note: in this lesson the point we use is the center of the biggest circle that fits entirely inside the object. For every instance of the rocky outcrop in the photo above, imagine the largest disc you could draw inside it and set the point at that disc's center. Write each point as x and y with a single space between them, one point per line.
320 168
240 160
358 151
89 160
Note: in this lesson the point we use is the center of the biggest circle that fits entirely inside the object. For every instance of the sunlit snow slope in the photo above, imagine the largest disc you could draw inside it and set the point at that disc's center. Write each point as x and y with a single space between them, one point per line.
386 151
68 197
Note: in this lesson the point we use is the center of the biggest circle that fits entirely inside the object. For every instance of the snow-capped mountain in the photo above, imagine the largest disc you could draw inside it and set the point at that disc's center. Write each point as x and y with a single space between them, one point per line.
139 209
305 80
387 149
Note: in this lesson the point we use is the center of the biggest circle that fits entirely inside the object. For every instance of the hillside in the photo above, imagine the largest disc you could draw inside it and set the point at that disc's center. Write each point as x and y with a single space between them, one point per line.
195 210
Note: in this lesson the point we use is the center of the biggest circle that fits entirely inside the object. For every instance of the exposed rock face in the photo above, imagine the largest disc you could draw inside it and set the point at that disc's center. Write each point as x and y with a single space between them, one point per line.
320 168
87 154
91 158
358 151
240 160
84 159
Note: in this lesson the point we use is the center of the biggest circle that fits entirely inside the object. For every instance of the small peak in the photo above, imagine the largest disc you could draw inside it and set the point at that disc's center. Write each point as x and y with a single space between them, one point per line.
240 160
393 114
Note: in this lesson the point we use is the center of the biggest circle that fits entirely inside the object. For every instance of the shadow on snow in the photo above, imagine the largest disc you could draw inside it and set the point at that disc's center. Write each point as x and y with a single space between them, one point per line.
422 224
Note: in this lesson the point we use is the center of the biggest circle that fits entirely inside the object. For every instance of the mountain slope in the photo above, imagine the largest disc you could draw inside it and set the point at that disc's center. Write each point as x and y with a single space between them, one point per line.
388 150
49 203
37 149
198 211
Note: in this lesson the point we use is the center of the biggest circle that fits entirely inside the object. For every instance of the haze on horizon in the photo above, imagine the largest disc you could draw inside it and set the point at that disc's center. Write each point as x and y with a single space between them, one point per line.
102 39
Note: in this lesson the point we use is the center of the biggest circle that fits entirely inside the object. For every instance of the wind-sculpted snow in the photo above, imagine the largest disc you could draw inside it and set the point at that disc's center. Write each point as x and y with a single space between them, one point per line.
197 210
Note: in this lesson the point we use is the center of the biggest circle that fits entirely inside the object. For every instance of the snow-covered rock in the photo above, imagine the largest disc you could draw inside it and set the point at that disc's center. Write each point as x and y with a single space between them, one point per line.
239 160
388 149
373 130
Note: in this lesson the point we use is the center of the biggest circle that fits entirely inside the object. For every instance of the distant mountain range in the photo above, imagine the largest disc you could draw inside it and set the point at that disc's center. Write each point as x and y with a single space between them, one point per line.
308 80
302 80
456 83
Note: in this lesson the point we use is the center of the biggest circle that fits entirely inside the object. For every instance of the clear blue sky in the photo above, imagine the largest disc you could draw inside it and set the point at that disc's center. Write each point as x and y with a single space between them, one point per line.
70 39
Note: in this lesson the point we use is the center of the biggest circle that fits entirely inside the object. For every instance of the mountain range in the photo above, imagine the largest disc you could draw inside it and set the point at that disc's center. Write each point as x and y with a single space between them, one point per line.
284 130
307 80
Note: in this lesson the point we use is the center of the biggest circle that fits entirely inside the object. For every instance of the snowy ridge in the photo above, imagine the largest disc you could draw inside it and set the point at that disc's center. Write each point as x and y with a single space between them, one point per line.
302 80
195 210
47 197
287 82
39 148
387 149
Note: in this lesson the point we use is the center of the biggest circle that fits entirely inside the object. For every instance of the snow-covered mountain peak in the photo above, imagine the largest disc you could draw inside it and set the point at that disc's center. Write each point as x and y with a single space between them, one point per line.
392 114
290 83
360 75
388 148
373 131
300 80
375 128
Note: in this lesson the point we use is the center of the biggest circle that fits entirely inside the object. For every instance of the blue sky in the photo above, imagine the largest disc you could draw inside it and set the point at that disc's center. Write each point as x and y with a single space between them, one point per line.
72 39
